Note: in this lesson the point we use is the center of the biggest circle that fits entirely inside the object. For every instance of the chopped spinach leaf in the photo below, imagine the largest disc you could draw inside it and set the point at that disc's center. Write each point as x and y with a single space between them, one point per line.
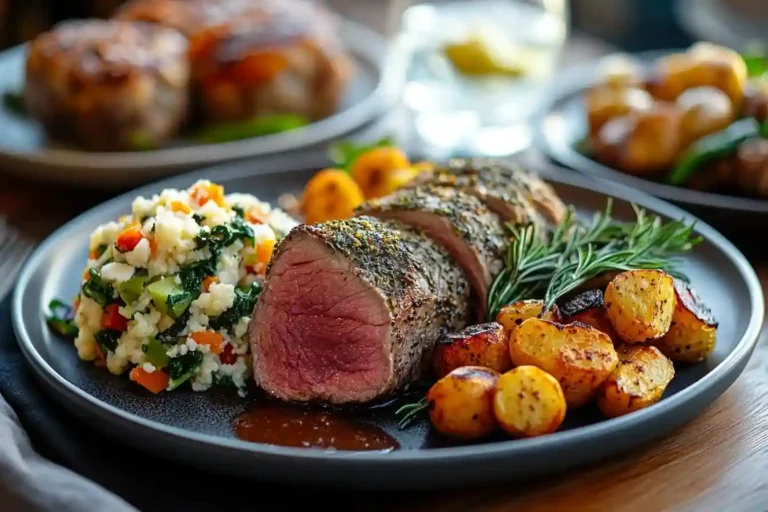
62 318
107 339
14 101
100 250
224 381
97 289
239 211
245 300
198 218
179 302
182 368
172 333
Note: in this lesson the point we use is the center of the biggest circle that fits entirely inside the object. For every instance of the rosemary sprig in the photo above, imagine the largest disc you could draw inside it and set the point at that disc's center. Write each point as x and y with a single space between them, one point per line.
550 267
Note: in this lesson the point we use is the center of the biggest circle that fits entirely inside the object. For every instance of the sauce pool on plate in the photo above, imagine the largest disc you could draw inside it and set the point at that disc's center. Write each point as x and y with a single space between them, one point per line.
306 428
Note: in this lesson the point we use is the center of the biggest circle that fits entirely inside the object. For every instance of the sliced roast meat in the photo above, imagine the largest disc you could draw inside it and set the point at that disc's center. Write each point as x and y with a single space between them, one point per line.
351 311
460 222
516 195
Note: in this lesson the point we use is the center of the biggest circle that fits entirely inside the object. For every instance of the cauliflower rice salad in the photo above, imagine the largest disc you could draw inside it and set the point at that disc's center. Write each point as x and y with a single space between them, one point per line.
168 291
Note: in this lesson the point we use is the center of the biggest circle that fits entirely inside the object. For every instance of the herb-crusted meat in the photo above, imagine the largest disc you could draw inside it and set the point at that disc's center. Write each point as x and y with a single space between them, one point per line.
351 310
460 222
516 195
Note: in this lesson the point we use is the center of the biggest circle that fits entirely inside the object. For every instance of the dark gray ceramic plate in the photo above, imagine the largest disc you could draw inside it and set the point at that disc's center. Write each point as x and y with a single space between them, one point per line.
561 123
196 428
24 147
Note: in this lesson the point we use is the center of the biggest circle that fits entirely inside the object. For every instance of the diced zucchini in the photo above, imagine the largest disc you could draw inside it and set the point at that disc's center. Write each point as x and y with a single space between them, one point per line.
161 290
156 353
131 289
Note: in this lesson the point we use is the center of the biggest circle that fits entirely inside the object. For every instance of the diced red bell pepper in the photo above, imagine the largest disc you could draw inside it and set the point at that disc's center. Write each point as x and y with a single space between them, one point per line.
129 239
112 319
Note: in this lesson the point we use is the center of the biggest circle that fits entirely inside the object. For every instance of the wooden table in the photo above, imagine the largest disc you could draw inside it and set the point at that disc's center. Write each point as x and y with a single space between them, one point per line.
717 462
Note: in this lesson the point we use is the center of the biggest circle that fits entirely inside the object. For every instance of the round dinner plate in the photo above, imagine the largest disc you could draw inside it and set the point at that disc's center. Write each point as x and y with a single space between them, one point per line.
195 428
25 148
561 122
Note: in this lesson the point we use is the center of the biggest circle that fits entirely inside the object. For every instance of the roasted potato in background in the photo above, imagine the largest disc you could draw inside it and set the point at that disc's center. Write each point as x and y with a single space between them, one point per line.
529 402
477 345
751 167
588 308
514 314
638 381
641 143
640 304
605 103
693 332
579 356
756 100
461 403
704 64
705 110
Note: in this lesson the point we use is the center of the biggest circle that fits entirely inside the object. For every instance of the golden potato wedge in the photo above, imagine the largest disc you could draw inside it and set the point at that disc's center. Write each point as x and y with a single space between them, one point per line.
704 64
477 345
639 380
705 110
588 308
461 403
604 103
529 402
640 304
641 143
514 314
579 356
692 335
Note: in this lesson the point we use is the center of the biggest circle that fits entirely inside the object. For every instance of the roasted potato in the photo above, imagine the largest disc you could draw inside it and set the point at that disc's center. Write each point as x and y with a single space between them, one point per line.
514 314
640 304
692 335
605 103
477 345
579 356
638 381
641 143
620 71
461 403
529 402
705 110
588 308
756 100
704 64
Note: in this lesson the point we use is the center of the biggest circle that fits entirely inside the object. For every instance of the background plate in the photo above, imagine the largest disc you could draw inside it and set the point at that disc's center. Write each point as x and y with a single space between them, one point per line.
24 147
561 122
196 428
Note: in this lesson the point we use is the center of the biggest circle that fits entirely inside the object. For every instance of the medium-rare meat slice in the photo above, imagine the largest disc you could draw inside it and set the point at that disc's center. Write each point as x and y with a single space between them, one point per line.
351 311
516 195
460 222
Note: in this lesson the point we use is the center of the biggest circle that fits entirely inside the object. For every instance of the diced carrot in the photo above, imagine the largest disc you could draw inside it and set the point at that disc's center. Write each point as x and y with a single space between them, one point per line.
155 382
210 338
208 281
265 249
87 275
112 319
101 360
76 303
201 194
255 216
178 206
152 246
93 255
129 238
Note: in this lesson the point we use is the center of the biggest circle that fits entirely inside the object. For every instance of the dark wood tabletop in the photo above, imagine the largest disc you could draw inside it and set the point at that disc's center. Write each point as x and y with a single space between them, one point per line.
717 462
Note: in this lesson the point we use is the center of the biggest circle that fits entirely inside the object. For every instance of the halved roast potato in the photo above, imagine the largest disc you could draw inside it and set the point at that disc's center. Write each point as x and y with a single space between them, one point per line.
477 345
579 356
639 380
514 314
461 403
640 304
692 335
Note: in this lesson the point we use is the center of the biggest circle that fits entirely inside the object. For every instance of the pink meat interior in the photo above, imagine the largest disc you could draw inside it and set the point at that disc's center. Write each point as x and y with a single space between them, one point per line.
320 331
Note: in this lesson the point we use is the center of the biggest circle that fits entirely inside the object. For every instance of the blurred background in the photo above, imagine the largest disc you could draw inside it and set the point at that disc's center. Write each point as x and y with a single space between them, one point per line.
632 25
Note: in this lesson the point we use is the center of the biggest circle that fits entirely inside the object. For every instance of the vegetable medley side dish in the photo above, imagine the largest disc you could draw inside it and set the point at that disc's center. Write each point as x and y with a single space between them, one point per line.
168 290
695 119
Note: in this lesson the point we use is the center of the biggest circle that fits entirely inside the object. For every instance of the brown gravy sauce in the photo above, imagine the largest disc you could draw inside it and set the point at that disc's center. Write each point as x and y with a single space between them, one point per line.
286 425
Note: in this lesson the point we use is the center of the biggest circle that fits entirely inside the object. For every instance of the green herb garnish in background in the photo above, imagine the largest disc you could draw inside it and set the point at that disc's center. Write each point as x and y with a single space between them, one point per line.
550 267
62 318
14 101
713 147
756 59
257 127
344 153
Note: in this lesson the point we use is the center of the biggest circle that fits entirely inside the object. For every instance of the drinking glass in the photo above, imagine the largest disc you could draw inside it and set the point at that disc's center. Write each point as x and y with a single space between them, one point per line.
474 71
